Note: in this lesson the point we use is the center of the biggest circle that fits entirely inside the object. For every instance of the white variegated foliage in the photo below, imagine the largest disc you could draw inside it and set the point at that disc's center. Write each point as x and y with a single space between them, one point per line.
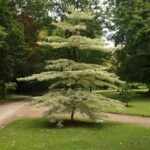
62 102
74 79
74 24
70 93
68 73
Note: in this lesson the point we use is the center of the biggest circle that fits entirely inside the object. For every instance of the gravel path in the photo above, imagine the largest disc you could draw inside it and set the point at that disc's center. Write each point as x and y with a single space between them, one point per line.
8 111
144 121
17 110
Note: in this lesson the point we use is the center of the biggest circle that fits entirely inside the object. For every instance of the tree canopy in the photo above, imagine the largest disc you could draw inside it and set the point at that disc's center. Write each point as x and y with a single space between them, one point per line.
73 36
11 44
130 21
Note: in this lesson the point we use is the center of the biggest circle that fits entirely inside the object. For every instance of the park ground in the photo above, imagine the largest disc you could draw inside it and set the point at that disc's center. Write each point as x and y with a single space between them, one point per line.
36 133
139 105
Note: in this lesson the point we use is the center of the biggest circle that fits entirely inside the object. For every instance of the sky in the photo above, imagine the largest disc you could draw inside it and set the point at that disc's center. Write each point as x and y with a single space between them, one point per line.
109 43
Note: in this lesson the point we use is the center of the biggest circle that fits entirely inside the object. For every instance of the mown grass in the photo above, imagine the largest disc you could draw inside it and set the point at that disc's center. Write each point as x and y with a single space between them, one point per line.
140 105
13 97
37 134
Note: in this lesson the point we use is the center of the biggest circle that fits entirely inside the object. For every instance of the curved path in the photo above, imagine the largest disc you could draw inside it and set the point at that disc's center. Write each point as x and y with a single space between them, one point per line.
16 110
8 111
139 120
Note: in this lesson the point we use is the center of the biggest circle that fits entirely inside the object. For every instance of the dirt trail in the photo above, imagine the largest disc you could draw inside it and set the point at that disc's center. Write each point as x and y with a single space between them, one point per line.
17 110
8 111
139 120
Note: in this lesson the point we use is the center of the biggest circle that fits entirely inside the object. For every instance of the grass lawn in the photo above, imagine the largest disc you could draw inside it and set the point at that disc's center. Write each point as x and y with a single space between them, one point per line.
37 134
140 105
13 97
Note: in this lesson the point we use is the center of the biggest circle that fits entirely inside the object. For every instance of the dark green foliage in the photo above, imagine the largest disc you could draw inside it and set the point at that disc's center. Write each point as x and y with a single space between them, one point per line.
11 44
136 68
34 15
32 87
131 21
31 17
94 57
5 57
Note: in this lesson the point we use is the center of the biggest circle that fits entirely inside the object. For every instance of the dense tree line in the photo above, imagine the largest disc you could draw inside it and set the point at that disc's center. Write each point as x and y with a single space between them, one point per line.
130 19
23 23
12 45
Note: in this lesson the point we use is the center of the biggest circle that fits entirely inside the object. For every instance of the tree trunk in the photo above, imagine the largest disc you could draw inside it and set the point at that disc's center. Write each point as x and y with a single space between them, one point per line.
77 5
74 56
79 55
148 85
69 54
91 89
127 104
72 114
118 89
3 94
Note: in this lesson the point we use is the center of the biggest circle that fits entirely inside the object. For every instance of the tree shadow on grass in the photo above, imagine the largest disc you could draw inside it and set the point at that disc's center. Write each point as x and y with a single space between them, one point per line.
129 106
42 123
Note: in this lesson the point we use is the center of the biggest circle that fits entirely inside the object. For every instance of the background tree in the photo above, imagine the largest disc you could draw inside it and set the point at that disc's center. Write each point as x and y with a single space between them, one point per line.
71 90
131 20
11 44
5 62
126 94
33 16
5 57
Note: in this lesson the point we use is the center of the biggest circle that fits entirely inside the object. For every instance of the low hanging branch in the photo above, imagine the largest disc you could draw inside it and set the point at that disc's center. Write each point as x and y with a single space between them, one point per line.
70 93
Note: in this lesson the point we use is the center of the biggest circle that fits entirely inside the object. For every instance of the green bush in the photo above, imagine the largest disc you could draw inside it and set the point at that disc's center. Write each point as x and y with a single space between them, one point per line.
126 95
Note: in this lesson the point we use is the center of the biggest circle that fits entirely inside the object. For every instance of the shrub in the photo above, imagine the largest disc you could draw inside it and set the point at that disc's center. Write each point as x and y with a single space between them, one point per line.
126 94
